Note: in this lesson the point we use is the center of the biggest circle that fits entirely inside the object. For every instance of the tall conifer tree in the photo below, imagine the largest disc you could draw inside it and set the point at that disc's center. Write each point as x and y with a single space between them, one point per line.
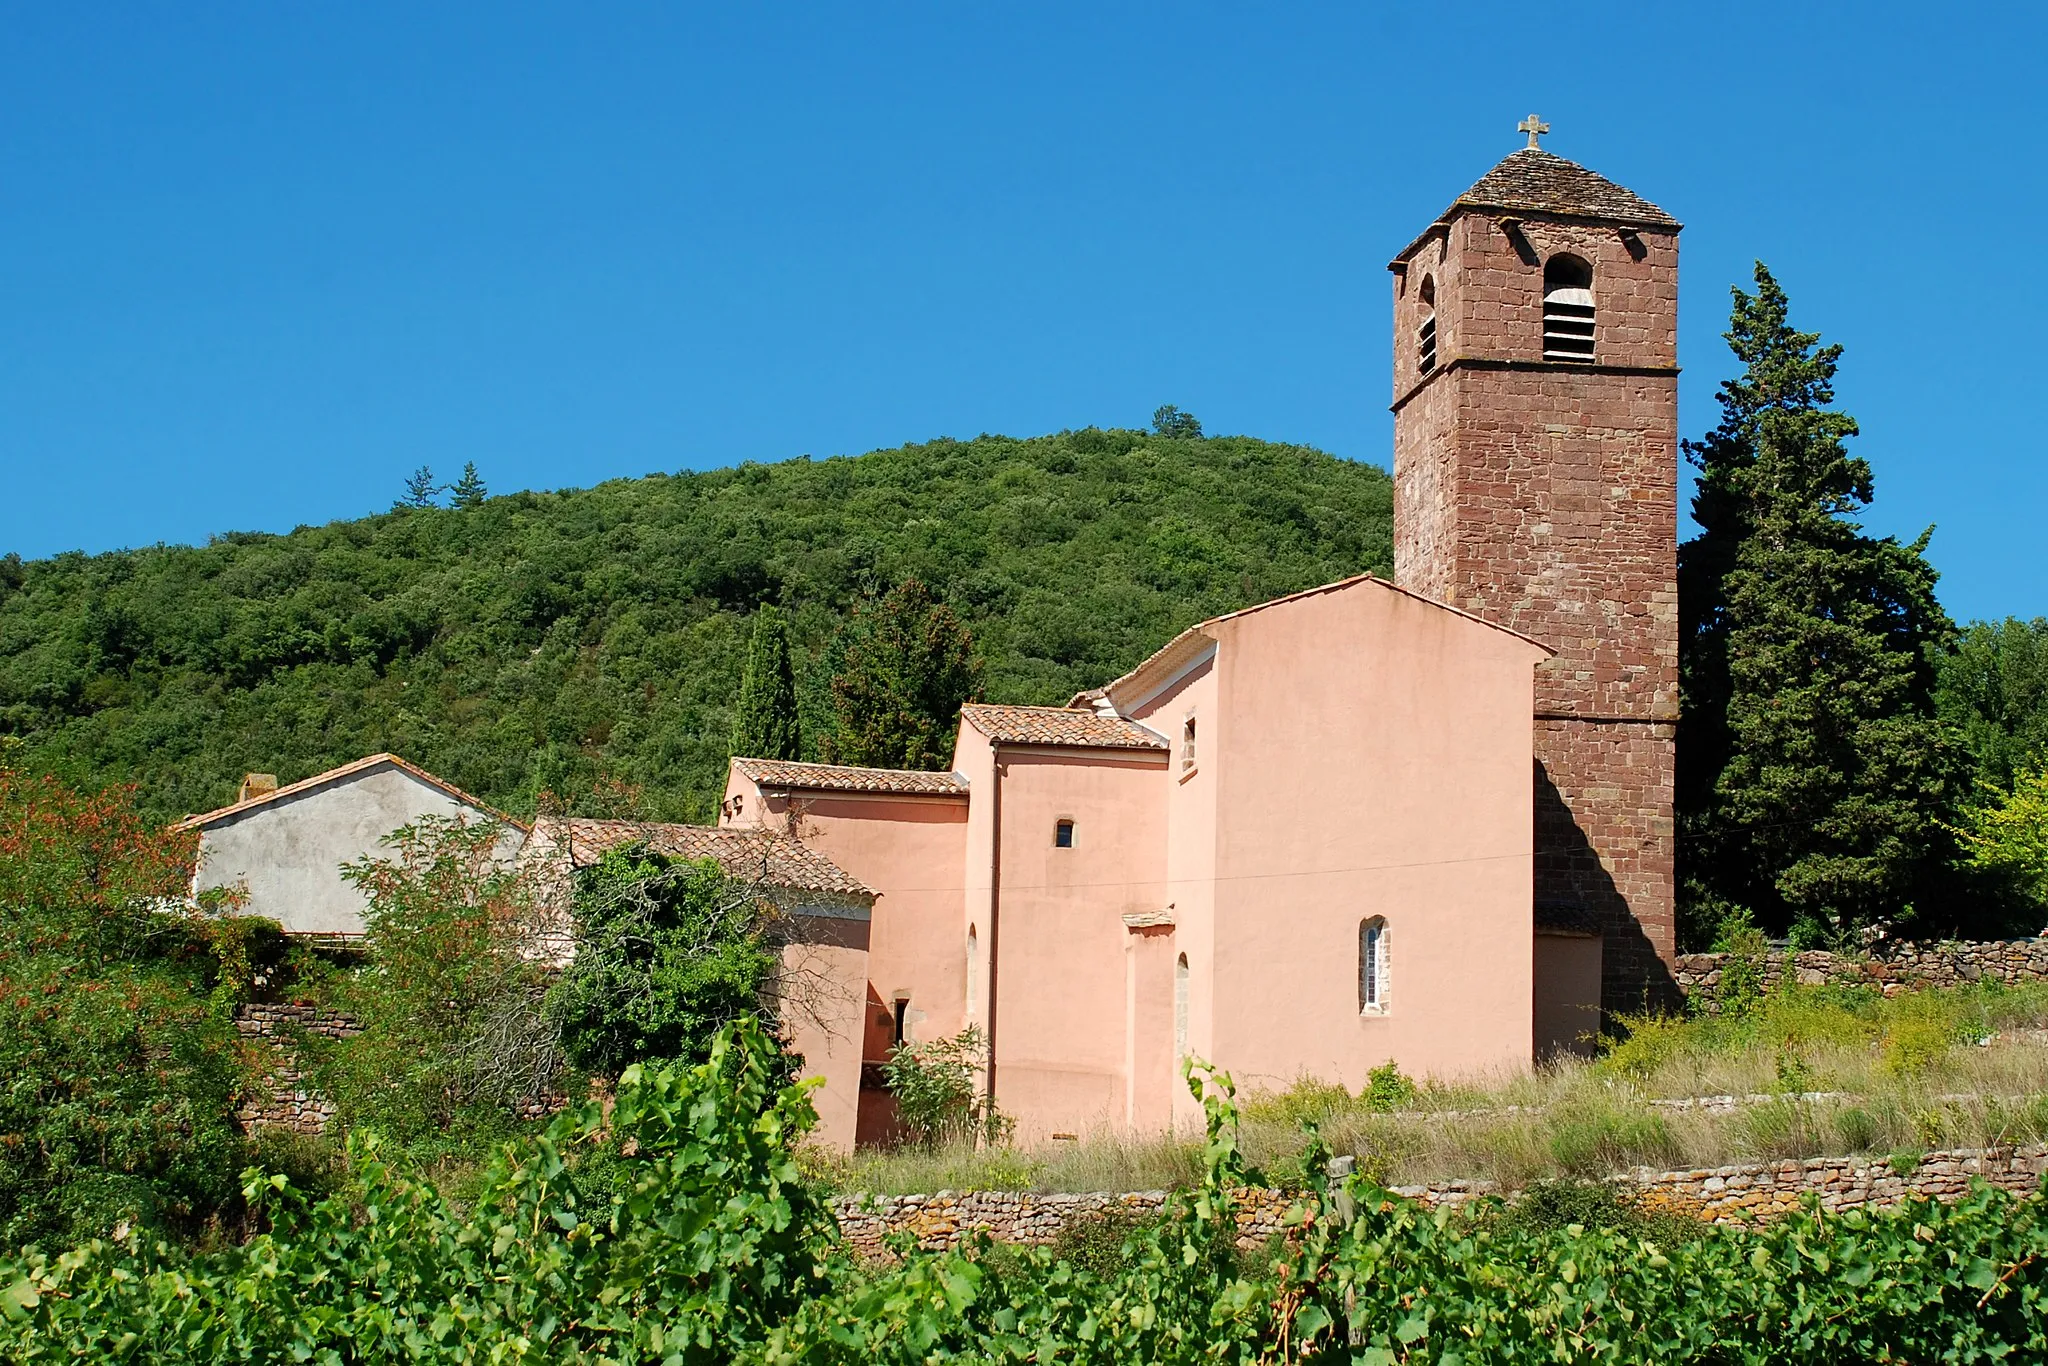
1811 768
908 666
765 720
469 490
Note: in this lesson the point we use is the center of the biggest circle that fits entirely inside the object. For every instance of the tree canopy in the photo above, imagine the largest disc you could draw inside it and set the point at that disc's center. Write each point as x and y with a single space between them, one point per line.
1813 773
1994 690
547 641
765 723
907 666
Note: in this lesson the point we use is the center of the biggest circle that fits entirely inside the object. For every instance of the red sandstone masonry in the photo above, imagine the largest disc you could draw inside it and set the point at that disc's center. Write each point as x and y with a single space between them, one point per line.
1544 497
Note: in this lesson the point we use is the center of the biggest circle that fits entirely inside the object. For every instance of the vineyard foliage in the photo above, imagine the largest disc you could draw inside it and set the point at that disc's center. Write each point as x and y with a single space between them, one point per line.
677 1228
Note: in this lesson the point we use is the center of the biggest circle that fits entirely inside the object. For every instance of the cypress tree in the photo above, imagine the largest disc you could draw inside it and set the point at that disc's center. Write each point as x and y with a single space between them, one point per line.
765 719
908 665
1812 770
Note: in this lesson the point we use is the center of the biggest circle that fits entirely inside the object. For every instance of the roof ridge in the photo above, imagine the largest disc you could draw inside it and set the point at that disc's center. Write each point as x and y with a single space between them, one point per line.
348 769
1023 723
848 777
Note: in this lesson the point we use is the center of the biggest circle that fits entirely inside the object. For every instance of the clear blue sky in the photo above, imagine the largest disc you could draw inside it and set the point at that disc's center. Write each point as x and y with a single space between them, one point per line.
258 262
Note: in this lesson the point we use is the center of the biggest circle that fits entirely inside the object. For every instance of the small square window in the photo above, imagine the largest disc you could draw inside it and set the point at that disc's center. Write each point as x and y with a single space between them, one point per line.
1063 835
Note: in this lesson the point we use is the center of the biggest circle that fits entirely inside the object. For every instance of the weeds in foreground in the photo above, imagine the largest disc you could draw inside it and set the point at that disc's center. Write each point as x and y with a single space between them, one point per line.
1819 1071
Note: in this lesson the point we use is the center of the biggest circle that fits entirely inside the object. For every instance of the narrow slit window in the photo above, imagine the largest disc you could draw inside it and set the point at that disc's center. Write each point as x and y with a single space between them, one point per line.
902 1020
1425 332
973 973
1372 966
1063 835
1567 309
1180 1008
1187 745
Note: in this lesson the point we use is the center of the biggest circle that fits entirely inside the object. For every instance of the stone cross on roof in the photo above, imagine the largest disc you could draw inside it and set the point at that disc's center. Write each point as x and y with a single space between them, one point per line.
1535 128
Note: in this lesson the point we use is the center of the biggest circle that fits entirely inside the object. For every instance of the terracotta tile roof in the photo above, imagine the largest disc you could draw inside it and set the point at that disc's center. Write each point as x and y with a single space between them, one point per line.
743 852
350 770
845 778
1539 182
1058 726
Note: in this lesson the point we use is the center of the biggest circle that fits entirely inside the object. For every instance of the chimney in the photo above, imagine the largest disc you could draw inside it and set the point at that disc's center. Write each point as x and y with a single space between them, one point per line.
256 785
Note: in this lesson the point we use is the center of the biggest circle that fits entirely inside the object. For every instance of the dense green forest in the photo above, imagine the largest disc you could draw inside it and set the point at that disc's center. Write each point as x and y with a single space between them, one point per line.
562 641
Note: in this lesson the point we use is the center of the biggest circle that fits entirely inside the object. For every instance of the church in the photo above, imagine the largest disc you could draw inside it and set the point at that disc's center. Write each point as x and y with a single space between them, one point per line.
1425 821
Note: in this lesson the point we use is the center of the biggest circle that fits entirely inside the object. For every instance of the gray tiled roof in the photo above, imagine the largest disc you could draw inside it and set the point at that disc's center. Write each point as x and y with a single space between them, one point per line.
846 778
1539 182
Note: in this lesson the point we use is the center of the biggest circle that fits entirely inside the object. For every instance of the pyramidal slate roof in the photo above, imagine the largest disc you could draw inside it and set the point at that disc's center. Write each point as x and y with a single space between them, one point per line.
1538 182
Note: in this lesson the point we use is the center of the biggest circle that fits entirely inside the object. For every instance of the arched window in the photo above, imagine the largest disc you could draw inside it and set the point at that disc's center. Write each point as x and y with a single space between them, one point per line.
1063 835
1372 966
1425 331
1567 309
1180 1008
973 972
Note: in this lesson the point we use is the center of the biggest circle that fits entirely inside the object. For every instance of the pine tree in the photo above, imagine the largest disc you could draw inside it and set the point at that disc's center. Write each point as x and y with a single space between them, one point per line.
469 490
1812 770
420 490
908 665
1169 421
765 718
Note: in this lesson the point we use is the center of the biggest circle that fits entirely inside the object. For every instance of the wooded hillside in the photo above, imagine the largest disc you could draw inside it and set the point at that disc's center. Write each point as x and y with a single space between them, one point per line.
559 640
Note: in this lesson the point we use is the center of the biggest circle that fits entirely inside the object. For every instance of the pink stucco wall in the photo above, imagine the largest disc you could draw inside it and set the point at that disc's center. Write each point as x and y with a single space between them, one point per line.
1189 799
1360 752
1371 760
1061 1038
825 972
911 850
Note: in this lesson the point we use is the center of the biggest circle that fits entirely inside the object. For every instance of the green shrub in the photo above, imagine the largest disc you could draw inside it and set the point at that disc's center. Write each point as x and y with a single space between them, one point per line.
1783 1127
716 1250
1095 1242
1856 1129
1919 1028
1644 1044
668 951
1598 1142
1387 1090
1309 1100
938 1095
119 1062
455 1049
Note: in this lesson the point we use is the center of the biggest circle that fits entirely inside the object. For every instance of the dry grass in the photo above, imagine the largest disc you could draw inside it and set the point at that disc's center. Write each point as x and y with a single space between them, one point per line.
1820 1072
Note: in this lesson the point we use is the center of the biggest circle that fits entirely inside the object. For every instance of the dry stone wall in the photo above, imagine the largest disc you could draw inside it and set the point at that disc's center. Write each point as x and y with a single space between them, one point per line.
283 1099
1896 968
1724 1195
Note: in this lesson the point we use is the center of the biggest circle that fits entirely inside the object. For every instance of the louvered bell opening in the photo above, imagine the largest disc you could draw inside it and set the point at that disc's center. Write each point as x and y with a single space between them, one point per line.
1568 324
1425 343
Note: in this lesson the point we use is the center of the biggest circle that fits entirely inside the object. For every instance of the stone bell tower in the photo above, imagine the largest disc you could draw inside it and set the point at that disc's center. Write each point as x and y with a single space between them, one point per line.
1535 485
